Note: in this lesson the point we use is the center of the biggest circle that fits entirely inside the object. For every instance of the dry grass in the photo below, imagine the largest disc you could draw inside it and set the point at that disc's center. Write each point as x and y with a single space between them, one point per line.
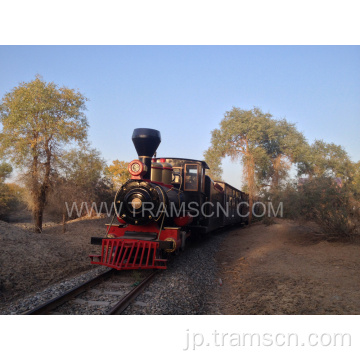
30 262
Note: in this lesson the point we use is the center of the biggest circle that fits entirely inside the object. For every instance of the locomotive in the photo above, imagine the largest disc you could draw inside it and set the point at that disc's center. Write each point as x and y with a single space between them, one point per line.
166 201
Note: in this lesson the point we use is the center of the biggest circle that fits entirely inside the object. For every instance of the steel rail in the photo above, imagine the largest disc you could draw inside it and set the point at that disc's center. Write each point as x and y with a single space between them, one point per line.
120 307
50 305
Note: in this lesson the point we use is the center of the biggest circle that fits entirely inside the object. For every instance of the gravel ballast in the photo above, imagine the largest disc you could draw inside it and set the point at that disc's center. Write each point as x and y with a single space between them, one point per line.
186 287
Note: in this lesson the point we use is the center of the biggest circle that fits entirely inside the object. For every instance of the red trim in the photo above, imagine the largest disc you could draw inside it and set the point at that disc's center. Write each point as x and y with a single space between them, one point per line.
141 171
158 183
125 254
128 254
183 220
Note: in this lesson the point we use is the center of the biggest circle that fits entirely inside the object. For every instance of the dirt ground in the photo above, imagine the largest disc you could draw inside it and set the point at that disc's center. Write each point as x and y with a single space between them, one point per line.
286 269
29 262
279 269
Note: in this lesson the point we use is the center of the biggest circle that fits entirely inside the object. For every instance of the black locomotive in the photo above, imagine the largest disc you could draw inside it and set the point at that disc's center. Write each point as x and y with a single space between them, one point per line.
165 201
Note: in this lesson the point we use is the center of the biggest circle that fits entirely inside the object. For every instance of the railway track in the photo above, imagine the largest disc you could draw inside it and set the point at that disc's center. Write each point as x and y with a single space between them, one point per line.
84 295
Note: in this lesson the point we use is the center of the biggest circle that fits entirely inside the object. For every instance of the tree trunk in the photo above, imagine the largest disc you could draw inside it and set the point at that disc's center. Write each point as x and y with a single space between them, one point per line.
38 212
38 219
250 177
40 197
64 223
250 208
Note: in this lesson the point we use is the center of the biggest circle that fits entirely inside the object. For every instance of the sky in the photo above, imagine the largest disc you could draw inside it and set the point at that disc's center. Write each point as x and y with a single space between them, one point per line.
184 91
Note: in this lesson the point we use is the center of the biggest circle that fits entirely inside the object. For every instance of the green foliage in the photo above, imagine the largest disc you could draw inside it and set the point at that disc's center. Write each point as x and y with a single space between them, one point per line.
213 159
37 117
5 171
38 120
240 131
266 147
285 146
79 179
10 194
83 167
326 159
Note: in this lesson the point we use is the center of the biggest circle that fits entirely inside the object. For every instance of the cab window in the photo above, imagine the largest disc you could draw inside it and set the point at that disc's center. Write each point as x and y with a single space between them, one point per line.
191 177
177 176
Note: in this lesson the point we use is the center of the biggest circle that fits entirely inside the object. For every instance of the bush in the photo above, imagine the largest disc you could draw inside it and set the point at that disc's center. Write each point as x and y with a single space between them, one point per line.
10 199
335 209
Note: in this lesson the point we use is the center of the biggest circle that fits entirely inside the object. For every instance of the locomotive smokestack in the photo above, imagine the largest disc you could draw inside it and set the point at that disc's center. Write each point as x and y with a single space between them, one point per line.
146 141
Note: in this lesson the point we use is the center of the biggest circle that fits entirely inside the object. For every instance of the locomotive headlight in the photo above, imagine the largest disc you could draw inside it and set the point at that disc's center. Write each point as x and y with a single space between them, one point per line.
137 168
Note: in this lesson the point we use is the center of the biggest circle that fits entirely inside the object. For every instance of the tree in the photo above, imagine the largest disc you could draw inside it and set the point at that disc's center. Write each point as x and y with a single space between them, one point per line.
355 179
326 159
79 180
38 120
118 173
83 167
241 136
263 145
213 159
285 146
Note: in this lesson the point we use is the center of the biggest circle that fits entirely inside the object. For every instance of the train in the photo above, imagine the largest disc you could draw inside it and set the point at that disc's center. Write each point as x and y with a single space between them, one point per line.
166 202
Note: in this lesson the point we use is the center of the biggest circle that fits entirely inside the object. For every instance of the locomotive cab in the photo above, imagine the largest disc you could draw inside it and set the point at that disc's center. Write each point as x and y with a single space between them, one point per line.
189 178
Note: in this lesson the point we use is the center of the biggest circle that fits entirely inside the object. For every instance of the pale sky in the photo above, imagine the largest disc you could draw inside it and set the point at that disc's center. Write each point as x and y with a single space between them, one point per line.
184 91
